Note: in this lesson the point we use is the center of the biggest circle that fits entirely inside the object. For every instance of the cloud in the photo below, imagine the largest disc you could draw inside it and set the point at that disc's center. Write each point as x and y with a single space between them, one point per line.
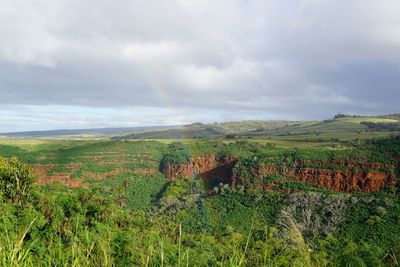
281 59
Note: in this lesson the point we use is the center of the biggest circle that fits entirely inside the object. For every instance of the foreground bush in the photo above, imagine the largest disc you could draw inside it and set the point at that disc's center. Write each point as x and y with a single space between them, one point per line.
16 180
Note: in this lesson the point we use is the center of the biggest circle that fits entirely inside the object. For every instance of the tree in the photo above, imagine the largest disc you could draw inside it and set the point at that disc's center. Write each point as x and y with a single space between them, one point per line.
177 153
16 180
340 115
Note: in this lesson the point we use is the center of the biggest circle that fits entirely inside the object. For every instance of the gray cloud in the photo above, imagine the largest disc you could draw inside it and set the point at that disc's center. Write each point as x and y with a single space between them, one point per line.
280 59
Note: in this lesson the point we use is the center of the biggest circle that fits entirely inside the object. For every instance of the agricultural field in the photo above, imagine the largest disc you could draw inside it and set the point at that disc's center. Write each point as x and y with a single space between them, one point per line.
345 128
76 162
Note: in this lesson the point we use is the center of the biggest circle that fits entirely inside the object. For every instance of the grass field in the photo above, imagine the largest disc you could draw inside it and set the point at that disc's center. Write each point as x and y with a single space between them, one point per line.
86 162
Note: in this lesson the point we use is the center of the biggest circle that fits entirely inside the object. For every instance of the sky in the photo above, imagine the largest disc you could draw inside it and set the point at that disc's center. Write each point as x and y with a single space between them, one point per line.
104 63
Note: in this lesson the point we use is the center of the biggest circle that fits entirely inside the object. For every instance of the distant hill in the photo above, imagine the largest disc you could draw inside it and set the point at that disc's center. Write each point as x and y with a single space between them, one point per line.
238 127
199 130
189 131
338 126
107 131
343 126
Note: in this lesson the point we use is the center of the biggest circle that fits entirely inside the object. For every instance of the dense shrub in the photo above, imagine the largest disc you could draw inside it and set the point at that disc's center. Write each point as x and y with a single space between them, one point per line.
382 126
16 180
177 153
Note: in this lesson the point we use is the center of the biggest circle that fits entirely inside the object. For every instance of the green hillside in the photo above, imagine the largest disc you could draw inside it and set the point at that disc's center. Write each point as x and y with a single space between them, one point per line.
338 129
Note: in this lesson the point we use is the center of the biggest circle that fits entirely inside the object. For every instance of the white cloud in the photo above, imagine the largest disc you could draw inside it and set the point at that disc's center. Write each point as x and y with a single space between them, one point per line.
150 52
282 58
210 78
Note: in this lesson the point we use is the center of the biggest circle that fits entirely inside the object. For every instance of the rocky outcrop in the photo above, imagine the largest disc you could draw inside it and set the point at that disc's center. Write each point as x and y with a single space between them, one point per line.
175 171
208 167
346 177
345 180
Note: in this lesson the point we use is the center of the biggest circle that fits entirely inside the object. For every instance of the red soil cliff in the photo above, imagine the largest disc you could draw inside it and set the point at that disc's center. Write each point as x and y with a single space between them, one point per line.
333 179
353 177
208 167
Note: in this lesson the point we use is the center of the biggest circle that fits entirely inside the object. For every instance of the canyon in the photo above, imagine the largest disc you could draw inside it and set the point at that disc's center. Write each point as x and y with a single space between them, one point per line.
337 176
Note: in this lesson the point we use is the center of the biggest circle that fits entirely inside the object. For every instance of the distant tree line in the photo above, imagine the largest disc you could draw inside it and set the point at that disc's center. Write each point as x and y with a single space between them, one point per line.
381 126
342 115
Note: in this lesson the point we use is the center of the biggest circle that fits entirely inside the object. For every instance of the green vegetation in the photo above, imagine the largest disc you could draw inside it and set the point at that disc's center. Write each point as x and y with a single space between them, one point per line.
191 131
338 129
16 180
382 126
126 213
176 153
342 128
240 127
140 192
382 155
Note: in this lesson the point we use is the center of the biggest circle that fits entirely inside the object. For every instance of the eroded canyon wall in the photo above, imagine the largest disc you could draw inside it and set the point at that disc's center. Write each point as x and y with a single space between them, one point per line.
208 167
338 176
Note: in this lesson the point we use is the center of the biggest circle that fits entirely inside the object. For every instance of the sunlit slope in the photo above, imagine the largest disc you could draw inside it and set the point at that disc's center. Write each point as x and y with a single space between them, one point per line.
347 127
199 130
344 128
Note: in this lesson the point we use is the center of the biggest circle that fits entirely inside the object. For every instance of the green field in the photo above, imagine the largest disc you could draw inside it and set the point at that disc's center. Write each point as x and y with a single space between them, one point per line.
343 128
